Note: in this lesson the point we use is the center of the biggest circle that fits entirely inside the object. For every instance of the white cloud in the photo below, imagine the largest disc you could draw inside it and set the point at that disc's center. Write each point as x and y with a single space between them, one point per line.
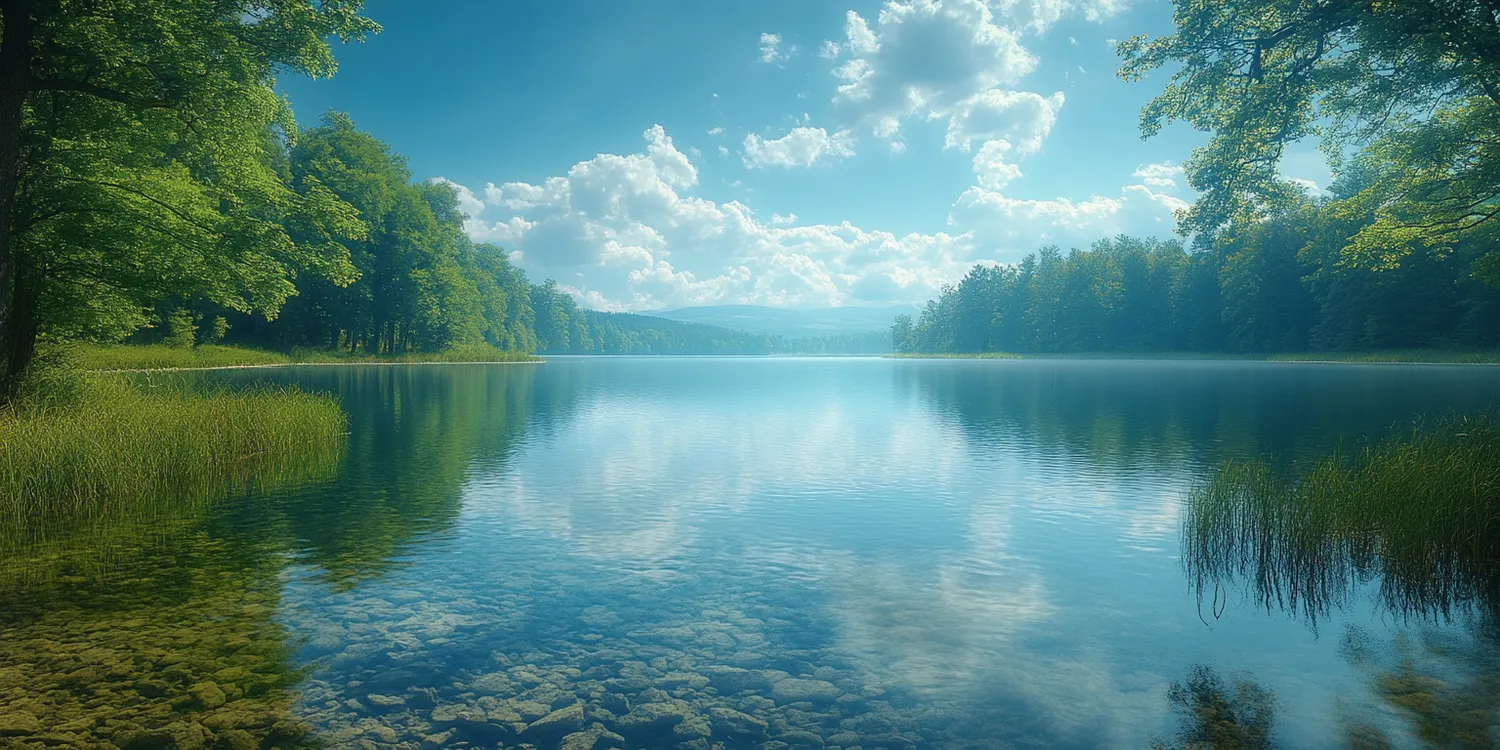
770 49
991 168
802 147
625 232
1015 227
829 50
922 58
1308 186
715 131
779 220
1036 16
724 152
897 148
1161 174
1020 117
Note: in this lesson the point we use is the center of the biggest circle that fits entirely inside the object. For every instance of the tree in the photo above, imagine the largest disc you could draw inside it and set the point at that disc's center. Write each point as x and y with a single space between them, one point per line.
1412 86
136 157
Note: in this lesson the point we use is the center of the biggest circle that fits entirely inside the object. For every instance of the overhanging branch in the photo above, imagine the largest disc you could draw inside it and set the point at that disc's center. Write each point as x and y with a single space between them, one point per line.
61 84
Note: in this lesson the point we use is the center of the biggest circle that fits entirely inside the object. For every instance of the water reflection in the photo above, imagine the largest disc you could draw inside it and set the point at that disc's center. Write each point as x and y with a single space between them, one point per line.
691 553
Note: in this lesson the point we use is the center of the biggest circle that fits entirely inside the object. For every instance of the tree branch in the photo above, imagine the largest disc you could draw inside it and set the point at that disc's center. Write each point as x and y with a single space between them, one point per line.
59 84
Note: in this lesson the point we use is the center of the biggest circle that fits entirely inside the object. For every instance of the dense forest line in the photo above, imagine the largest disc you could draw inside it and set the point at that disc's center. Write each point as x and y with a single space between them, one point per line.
1280 285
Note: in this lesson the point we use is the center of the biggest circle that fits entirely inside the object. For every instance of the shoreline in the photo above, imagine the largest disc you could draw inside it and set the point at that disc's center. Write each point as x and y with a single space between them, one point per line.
312 364
1271 359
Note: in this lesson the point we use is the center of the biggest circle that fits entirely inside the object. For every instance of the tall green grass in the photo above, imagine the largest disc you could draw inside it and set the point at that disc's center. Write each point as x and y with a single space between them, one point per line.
1417 513
108 357
161 357
73 451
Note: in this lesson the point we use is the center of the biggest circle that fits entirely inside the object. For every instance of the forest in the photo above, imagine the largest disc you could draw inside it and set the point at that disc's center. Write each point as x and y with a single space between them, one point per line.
1280 287
1400 252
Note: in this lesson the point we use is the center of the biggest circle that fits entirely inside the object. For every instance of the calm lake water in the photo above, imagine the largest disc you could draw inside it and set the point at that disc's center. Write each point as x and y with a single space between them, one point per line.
639 552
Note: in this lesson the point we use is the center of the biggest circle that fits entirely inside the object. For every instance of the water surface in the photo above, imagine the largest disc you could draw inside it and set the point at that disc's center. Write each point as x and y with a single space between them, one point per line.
640 552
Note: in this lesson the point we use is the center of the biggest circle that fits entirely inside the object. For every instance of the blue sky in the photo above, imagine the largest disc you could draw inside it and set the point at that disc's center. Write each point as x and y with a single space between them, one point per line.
794 153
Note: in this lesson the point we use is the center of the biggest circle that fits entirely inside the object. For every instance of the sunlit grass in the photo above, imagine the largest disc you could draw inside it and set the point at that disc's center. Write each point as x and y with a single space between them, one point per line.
1420 513
108 357
110 446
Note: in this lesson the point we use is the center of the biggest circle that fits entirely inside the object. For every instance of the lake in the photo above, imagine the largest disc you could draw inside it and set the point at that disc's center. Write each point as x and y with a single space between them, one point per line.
641 552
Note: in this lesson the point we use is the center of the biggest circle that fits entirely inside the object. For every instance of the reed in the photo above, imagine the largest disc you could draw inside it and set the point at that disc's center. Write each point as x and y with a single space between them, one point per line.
73 452
1419 514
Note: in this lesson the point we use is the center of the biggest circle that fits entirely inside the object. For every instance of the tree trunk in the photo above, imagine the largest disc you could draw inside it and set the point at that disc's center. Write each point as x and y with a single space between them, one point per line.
15 67
24 317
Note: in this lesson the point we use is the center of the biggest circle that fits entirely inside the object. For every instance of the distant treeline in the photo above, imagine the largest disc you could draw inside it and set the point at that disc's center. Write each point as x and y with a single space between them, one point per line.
1280 285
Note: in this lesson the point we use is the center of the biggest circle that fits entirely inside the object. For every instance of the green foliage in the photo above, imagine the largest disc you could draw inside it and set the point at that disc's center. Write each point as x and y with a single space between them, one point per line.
182 329
1416 512
1280 285
219 330
1408 87
1215 716
149 134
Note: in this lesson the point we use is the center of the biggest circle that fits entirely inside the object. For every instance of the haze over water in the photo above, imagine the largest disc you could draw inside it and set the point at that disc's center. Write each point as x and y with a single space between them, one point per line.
881 553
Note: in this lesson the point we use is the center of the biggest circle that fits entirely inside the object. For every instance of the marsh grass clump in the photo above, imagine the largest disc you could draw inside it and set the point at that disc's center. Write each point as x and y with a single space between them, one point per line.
80 446
1218 716
1418 513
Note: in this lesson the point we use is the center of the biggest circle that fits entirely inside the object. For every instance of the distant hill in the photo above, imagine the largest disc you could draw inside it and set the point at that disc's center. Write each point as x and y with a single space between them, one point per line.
779 321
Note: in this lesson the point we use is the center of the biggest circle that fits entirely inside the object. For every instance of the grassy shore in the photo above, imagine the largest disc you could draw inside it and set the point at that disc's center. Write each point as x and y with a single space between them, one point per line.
79 446
107 357
1411 356
1420 512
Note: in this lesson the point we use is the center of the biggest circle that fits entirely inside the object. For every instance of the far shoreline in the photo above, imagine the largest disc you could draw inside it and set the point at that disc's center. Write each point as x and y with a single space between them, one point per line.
537 361
1353 358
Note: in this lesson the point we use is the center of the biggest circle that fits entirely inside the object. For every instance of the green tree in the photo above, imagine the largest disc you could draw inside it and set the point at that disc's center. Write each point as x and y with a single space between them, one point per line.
136 163
1412 85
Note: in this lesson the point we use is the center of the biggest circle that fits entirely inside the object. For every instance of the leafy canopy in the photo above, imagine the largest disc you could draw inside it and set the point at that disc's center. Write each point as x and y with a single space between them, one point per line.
1409 88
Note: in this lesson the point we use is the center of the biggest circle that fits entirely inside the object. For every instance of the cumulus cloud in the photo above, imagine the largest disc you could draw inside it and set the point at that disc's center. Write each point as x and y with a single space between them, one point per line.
716 131
770 49
626 233
1308 186
802 147
1036 16
923 57
1017 226
829 50
1161 174
1020 117
991 168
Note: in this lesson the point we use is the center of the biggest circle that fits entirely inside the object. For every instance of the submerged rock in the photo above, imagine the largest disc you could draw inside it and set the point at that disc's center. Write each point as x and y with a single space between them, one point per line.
649 718
797 690
556 725
732 723
18 724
